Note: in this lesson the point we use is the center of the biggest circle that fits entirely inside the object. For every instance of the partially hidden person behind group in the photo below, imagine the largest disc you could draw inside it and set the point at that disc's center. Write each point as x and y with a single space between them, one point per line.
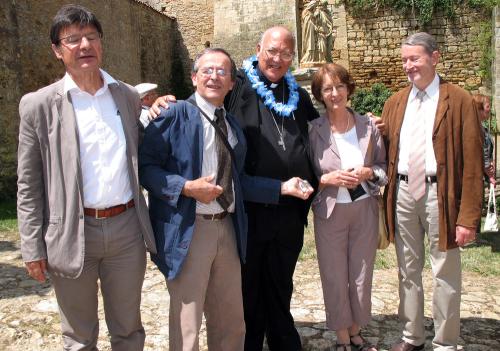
192 163
148 95
483 106
348 156
273 112
435 166
82 218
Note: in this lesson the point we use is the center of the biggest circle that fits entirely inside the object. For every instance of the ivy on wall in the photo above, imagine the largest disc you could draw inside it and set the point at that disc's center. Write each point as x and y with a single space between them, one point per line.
484 38
422 10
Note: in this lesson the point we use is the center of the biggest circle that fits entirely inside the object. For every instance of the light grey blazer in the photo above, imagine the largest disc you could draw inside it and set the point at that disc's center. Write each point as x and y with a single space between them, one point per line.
50 187
325 158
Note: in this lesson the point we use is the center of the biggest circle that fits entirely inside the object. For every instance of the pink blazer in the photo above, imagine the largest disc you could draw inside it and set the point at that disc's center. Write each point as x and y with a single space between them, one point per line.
325 158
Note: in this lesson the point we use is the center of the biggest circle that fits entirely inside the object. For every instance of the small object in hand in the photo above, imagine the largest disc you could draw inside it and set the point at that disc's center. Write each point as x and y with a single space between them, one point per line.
304 186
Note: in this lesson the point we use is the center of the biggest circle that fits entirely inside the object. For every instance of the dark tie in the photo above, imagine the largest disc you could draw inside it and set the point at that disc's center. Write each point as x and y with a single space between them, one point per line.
224 177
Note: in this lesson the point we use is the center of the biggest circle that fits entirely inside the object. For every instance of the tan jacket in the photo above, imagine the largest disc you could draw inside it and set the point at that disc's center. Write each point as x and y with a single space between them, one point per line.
50 189
457 142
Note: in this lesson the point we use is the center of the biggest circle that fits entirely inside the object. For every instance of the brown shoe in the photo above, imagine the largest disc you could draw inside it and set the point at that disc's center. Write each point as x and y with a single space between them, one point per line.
404 346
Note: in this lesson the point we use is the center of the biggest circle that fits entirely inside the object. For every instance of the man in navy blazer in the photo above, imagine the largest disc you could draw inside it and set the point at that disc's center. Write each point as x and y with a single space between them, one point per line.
200 236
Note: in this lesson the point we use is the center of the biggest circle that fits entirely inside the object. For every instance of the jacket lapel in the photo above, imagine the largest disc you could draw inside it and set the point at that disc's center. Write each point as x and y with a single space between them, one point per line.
400 111
363 132
325 133
442 106
193 124
400 114
67 118
126 119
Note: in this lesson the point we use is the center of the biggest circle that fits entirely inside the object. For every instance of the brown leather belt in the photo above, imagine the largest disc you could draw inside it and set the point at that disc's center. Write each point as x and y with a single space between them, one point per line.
214 217
108 212
428 179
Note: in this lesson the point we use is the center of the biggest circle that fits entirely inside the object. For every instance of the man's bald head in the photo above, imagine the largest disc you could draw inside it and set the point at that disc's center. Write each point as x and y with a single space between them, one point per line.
282 31
275 52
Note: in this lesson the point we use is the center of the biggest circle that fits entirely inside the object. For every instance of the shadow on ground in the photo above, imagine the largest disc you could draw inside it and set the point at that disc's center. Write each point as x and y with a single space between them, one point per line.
15 282
491 239
385 330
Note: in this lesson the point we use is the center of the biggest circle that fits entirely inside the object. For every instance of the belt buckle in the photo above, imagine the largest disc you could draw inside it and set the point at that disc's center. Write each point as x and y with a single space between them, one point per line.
213 217
97 214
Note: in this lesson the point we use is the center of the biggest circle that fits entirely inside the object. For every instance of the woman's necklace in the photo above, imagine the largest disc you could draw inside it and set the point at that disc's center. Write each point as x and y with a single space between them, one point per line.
348 120
281 109
347 126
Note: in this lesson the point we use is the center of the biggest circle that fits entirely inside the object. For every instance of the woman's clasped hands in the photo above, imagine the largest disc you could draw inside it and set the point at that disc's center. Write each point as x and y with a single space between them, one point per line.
349 178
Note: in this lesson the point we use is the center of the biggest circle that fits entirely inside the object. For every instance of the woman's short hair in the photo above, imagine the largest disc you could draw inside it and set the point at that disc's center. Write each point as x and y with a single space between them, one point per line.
69 15
335 72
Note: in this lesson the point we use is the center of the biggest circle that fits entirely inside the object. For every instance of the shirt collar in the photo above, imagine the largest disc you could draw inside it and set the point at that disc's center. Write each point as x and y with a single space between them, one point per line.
431 92
267 82
70 85
206 106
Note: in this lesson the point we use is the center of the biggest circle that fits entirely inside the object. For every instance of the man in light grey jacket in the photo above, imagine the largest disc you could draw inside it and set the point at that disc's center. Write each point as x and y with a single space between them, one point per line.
82 217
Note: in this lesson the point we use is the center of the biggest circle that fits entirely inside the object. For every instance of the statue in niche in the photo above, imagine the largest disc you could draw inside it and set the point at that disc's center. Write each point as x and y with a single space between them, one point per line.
317 30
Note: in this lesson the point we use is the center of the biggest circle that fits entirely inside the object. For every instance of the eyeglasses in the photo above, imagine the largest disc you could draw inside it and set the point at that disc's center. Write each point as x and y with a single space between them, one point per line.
329 89
207 72
285 56
76 39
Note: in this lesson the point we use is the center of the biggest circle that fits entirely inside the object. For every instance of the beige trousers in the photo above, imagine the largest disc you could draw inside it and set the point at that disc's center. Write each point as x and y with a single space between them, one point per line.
115 255
209 282
413 220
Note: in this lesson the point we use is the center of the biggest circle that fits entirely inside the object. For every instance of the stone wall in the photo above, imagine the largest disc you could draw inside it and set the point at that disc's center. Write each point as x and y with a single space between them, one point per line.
195 20
239 24
374 42
132 53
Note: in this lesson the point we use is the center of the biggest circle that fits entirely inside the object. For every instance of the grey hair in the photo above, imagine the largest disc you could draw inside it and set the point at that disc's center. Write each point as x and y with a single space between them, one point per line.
423 39
270 29
213 51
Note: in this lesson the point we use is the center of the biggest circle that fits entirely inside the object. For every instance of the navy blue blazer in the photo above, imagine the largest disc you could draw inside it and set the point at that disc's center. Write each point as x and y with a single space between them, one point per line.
171 153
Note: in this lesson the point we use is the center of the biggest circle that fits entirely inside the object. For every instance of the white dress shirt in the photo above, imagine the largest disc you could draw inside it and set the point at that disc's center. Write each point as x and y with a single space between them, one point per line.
144 118
102 145
210 162
427 111
350 157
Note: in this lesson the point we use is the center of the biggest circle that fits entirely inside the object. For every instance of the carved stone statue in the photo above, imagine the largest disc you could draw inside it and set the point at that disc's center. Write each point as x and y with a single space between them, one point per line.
317 30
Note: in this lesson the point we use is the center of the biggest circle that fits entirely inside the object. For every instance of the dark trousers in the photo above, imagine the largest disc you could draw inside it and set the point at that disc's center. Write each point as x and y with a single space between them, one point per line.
275 237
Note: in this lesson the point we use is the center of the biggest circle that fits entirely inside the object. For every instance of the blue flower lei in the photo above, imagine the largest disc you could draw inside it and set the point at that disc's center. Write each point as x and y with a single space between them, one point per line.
267 95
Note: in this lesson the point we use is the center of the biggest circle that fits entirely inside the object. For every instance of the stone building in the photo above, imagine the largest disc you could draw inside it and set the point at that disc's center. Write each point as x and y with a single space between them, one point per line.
140 44
156 40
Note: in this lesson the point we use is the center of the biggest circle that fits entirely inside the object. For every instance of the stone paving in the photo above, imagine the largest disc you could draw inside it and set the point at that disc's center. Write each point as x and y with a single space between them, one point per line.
29 317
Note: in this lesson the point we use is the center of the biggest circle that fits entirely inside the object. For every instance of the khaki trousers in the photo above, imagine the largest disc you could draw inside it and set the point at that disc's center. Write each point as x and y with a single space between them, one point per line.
210 283
115 255
413 220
